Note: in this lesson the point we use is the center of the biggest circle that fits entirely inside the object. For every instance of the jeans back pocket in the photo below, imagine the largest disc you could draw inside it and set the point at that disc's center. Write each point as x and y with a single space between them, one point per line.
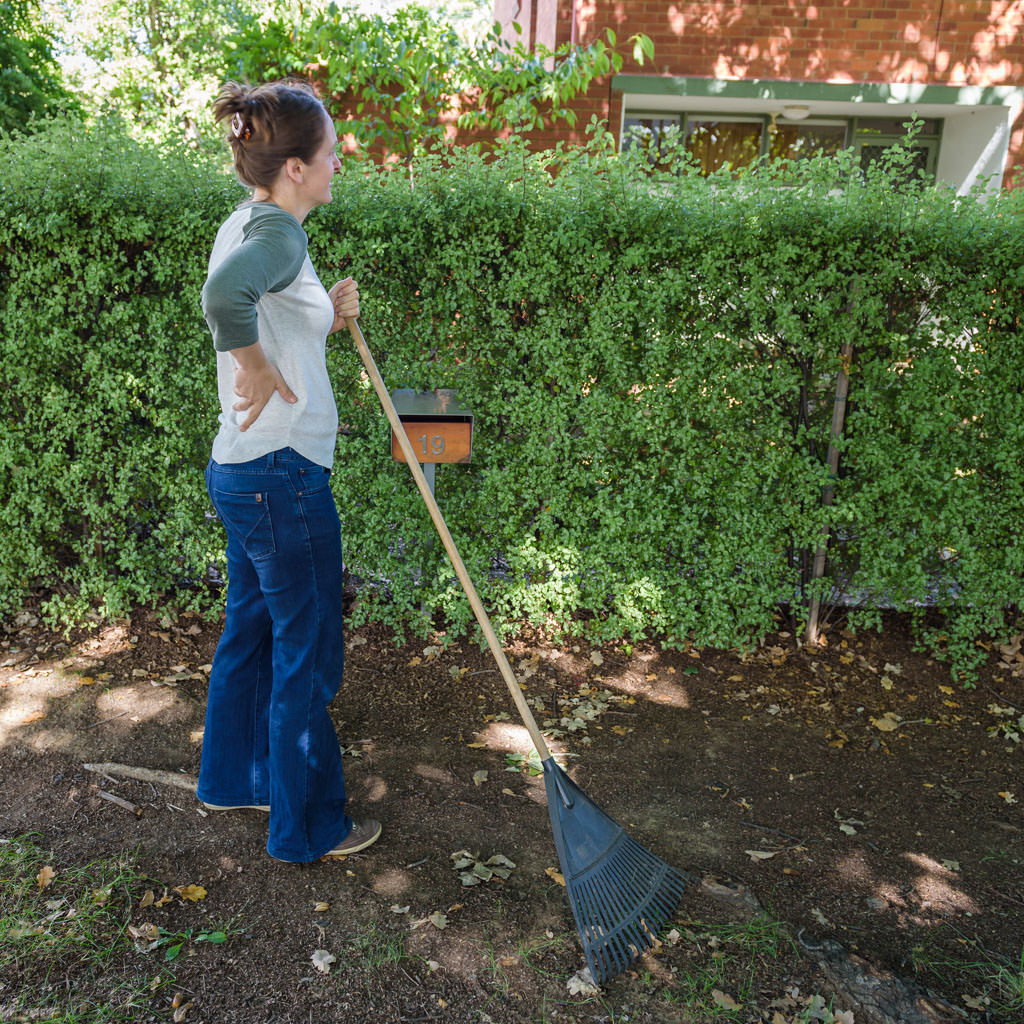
246 517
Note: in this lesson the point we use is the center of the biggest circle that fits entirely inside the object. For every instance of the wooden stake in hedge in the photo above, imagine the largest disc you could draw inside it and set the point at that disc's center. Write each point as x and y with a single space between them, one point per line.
828 493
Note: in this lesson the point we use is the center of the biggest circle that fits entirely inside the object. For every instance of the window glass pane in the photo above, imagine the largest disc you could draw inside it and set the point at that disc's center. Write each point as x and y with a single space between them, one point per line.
800 141
893 126
715 143
651 135
870 152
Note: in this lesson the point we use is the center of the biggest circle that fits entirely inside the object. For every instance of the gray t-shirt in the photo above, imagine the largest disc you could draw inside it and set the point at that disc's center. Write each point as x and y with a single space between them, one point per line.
262 287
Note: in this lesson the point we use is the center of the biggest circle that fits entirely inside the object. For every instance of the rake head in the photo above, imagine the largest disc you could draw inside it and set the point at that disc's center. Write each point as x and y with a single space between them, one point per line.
620 893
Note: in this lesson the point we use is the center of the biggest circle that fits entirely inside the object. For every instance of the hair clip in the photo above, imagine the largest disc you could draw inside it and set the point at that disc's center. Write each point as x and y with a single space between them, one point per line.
240 128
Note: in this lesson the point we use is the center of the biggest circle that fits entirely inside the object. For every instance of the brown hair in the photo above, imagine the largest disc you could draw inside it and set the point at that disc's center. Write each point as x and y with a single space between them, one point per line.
268 124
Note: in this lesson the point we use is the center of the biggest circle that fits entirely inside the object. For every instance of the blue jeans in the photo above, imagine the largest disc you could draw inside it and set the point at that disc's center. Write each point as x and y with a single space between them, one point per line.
268 736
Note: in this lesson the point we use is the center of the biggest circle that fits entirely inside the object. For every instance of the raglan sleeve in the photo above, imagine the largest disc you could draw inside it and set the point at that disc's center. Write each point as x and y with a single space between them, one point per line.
268 259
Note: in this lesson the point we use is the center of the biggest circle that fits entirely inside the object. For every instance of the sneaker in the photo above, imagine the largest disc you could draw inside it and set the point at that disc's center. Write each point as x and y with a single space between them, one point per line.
235 807
363 834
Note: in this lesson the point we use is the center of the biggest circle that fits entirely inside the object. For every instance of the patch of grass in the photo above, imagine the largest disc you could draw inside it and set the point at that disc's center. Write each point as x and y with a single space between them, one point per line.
990 982
725 959
374 948
540 954
65 956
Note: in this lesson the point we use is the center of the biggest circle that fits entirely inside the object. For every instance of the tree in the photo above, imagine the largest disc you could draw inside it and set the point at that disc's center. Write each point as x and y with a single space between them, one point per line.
400 83
31 84
156 62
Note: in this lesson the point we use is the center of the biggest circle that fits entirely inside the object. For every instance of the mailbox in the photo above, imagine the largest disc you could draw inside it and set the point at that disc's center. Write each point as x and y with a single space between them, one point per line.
438 425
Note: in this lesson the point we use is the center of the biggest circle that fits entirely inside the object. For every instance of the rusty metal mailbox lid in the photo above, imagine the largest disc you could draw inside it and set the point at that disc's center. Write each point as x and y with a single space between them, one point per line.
441 403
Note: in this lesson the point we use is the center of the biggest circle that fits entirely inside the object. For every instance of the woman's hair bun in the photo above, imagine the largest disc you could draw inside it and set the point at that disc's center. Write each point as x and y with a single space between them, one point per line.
268 124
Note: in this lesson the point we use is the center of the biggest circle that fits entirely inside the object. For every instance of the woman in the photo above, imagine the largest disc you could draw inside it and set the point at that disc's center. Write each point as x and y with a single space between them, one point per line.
269 743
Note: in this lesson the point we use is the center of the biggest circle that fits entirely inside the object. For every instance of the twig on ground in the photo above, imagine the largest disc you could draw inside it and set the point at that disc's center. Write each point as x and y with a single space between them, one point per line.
775 831
1005 896
105 720
144 774
1004 699
127 805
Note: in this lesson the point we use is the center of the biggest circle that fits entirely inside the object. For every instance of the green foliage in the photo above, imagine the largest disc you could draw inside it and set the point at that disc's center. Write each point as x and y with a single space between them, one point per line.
30 80
105 390
651 359
401 81
154 62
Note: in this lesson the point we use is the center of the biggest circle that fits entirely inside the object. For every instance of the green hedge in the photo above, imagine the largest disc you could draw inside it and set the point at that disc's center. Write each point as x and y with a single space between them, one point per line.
651 360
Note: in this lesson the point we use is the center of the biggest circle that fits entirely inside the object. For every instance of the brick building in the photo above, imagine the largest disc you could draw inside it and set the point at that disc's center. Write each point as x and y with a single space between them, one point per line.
788 77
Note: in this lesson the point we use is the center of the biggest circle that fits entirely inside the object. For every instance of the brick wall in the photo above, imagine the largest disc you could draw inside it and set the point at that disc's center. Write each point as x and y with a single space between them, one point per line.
937 42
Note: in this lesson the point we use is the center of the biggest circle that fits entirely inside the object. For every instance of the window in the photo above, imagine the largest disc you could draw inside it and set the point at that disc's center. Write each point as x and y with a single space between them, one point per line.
873 136
714 141
808 138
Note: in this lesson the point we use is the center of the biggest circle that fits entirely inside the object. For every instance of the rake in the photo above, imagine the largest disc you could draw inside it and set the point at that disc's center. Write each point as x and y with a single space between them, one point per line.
621 894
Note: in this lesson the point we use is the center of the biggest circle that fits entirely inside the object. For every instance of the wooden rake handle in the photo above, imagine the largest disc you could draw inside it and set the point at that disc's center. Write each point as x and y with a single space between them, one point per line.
446 539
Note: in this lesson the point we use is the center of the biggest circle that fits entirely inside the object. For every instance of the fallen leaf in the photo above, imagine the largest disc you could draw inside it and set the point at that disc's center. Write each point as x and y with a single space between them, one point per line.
145 936
888 722
192 893
556 875
760 854
396 909
479 777
582 984
724 1000
45 877
147 899
506 790
951 865
597 658
432 965
1008 797
438 920
179 1013
321 907
322 960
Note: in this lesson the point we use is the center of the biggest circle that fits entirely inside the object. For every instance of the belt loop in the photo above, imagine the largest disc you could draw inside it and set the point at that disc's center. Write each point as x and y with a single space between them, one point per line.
270 459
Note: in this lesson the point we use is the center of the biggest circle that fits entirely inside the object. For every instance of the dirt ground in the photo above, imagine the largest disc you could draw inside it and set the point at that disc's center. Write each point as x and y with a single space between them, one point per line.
853 793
